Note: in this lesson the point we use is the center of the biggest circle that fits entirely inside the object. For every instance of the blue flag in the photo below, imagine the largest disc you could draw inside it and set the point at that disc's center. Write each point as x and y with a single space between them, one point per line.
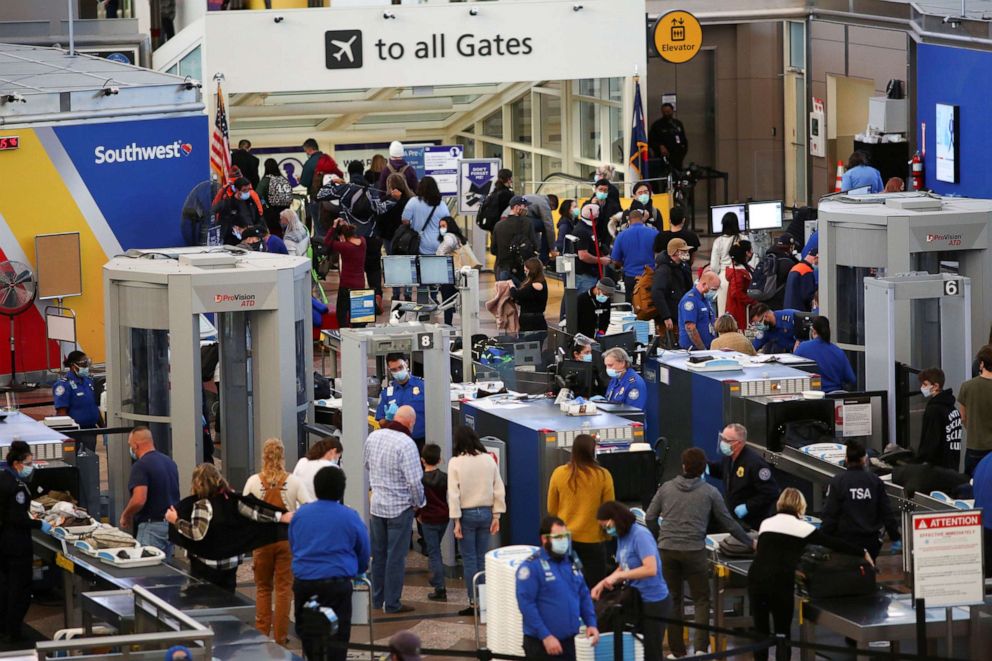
638 137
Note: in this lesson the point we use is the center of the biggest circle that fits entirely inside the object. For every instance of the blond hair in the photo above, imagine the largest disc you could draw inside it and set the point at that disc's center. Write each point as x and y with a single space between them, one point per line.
726 324
273 462
207 481
791 501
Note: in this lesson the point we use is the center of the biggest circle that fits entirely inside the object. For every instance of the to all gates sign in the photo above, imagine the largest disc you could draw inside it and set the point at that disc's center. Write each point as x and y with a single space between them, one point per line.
947 558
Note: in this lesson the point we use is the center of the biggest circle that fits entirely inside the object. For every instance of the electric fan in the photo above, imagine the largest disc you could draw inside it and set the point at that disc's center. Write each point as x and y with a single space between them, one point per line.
17 292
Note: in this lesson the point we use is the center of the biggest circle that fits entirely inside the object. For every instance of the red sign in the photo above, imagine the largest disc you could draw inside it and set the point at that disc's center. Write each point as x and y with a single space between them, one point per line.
9 142
944 521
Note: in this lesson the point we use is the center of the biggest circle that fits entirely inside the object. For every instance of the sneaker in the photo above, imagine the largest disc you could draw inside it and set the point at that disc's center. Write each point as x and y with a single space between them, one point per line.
438 595
467 611
402 609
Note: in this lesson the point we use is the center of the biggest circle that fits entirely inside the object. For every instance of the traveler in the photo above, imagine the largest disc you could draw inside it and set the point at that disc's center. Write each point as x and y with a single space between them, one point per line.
476 499
686 505
272 563
532 297
434 517
606 197
941 431
356 173
626 385
553 597
246 162
801 285
633 249
452 241
730 236
424 214
776 329
672 280
330 547
678 230
212 527
729 337
167 17
397 165
639 566
590 251
16 547
568 215
738 279
493 207
697 312
860 174
831 361
641 194
343 240
75 396
395 478
403 389
751 489
325 452
272 242
314 155
294 233
404 646
154 488
276 195
983 500
858 506
781 258
975 403
238 207
667 138
575 492
514 241
376 167
771 578
594 307
389 222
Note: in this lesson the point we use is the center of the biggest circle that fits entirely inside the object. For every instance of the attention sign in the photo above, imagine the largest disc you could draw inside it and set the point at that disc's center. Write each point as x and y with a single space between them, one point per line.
947 558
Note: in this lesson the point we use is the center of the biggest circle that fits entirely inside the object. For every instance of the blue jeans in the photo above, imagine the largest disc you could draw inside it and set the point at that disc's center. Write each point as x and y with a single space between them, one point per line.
433 534
506 274
155 533
475 543
585 282
390 543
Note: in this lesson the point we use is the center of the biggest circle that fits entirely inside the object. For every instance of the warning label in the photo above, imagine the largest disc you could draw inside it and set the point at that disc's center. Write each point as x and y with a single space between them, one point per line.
941 522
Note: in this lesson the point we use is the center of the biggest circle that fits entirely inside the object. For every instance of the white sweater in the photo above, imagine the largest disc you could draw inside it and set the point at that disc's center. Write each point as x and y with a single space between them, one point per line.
305 471
474 481
293 493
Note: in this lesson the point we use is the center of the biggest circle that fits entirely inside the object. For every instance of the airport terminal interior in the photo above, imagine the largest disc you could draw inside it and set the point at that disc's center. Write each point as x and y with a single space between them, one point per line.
495 329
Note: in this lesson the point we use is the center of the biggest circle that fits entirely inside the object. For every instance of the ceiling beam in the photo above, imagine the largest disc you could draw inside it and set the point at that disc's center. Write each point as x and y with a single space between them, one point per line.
376 99
342 109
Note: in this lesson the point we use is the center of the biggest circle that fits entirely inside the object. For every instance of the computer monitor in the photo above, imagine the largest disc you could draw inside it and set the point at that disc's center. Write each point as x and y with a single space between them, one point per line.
764 215
437 270
399 270
717 213
626 341
576 375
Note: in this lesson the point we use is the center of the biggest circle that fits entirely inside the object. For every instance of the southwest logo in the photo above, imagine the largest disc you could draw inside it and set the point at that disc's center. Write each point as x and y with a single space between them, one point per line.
135 152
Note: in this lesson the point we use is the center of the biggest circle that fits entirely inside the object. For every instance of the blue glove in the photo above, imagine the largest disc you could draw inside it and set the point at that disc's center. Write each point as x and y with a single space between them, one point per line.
597 398
391 411
707 471
897 547
46 527
740 511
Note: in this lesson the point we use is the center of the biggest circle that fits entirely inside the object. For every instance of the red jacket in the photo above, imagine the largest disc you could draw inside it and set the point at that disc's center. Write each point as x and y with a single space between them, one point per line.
739 280
229 191
436 491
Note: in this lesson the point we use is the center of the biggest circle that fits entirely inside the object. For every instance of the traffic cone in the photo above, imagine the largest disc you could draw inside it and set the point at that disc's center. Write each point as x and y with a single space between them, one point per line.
840 176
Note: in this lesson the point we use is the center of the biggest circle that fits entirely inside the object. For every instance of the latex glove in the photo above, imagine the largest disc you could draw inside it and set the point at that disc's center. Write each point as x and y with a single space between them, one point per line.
46 527
897 547
707 471
740 511
391 411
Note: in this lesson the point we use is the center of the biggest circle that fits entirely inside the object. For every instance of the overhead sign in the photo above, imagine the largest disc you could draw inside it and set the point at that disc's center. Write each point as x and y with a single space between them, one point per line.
476 177
678 36
947 558
352 48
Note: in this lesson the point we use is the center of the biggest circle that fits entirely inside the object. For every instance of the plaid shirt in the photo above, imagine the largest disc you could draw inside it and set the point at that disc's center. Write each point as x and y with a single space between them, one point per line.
395 473
198 525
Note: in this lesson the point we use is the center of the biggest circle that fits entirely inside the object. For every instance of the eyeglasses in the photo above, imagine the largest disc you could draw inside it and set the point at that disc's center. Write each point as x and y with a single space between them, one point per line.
727 439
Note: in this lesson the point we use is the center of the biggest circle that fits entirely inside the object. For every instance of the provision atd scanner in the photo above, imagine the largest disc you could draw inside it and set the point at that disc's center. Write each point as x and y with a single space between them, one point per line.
262 310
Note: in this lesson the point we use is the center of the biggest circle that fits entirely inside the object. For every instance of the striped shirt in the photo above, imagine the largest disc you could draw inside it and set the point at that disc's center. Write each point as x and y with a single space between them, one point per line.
395 473
199 523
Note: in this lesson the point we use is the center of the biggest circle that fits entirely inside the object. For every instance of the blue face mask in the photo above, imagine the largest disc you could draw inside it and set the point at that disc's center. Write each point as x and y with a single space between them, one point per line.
84 371
401 375
726 449
602 298
561 545
25 471
644 199
575 212
130 451
612 373
761 327
601 196
587 358
611 531
710 295
244 196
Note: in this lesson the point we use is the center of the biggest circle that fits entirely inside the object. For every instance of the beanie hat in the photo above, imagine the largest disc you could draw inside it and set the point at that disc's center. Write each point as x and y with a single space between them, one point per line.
395 149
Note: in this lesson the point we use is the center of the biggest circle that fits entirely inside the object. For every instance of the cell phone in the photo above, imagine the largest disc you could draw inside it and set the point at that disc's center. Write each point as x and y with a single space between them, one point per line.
699 359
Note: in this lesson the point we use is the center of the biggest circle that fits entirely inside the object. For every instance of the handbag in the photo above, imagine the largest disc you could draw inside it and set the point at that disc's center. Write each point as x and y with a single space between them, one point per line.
618 608
465 256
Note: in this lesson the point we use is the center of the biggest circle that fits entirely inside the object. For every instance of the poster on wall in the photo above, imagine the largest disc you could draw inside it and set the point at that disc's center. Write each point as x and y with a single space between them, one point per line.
947 143
475 180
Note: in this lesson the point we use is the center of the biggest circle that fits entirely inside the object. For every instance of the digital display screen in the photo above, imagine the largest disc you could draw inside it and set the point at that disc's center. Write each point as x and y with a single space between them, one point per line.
764 215
947 143
9 142
399 270
437 270
717 213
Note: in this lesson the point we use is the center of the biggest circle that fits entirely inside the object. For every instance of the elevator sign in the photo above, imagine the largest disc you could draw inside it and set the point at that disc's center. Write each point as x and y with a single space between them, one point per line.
678 36
947 558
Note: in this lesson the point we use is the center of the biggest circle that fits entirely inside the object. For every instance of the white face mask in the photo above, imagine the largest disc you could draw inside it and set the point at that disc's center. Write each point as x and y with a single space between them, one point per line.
926 391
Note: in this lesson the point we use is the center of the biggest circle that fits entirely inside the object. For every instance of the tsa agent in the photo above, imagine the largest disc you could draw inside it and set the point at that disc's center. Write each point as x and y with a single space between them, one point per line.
75 396
776 329
404 389
751 488
697 313
626 386
16 550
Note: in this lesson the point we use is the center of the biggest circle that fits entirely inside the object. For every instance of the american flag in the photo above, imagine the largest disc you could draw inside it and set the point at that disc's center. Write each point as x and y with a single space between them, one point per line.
220 145
638 160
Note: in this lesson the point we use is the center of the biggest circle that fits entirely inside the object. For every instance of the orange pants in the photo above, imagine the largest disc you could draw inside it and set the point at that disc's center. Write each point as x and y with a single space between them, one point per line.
273 566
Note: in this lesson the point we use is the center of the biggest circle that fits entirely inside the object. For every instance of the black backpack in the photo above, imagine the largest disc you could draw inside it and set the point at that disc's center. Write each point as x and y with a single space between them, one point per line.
406 241
764 281
489 212
520 249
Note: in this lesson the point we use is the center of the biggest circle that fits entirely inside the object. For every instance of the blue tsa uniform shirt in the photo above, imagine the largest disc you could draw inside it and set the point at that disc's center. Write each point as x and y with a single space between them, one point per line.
76 393
553 597
628 388
695 309
781 338
396 395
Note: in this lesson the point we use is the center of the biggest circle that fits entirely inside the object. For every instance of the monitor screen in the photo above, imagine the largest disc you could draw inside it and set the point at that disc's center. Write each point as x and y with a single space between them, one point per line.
437 270
399 270
626 341
764 215
577 376
717 213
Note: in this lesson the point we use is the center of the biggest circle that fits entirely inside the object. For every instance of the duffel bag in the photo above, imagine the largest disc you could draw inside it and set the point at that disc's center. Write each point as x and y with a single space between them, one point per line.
825 573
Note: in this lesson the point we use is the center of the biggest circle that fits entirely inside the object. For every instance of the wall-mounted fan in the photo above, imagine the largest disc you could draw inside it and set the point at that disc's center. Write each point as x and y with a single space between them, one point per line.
17 291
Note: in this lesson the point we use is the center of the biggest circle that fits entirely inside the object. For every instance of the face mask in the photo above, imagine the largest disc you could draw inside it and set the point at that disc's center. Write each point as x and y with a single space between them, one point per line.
710 295
644 199
84 371
575 212
726 449
683 257
761 327
25 471
612 373
237 234
561 545
444 230
401 375
602 298
926 391
611 531
130 451
587 358
601 196
244 196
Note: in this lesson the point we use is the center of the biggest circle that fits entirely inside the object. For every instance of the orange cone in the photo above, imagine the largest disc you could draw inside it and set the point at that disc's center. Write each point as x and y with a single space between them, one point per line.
840 176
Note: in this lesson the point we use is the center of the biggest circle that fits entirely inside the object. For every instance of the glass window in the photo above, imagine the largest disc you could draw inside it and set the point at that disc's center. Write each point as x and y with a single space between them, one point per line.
492 125
468 147
616 136
550 128
520 120
547 165
616 89
489 150
190 65
797 45
523 170
589 129
588 87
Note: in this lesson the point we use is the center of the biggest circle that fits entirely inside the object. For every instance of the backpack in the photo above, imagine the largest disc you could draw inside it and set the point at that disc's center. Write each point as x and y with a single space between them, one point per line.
520 249
280 192
641 298
764 280
358 205
489 212
823 573
393 170
272 493
406 241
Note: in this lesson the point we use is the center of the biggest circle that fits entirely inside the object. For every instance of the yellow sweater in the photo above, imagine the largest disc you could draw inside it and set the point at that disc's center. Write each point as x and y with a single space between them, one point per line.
578 508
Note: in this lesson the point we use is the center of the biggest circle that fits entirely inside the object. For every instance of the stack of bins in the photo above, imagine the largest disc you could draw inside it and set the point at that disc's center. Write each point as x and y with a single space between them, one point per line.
504 623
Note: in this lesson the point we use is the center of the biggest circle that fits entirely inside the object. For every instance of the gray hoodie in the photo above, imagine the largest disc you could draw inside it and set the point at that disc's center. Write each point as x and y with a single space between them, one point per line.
685 505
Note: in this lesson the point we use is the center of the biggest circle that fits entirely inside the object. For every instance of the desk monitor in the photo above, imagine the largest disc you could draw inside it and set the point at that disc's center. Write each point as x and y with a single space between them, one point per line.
717 213
577 376
764 215
626 341
437 270
399 270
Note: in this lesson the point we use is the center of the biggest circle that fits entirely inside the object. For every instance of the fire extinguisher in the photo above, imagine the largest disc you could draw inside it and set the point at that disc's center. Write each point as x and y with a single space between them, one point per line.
917 171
